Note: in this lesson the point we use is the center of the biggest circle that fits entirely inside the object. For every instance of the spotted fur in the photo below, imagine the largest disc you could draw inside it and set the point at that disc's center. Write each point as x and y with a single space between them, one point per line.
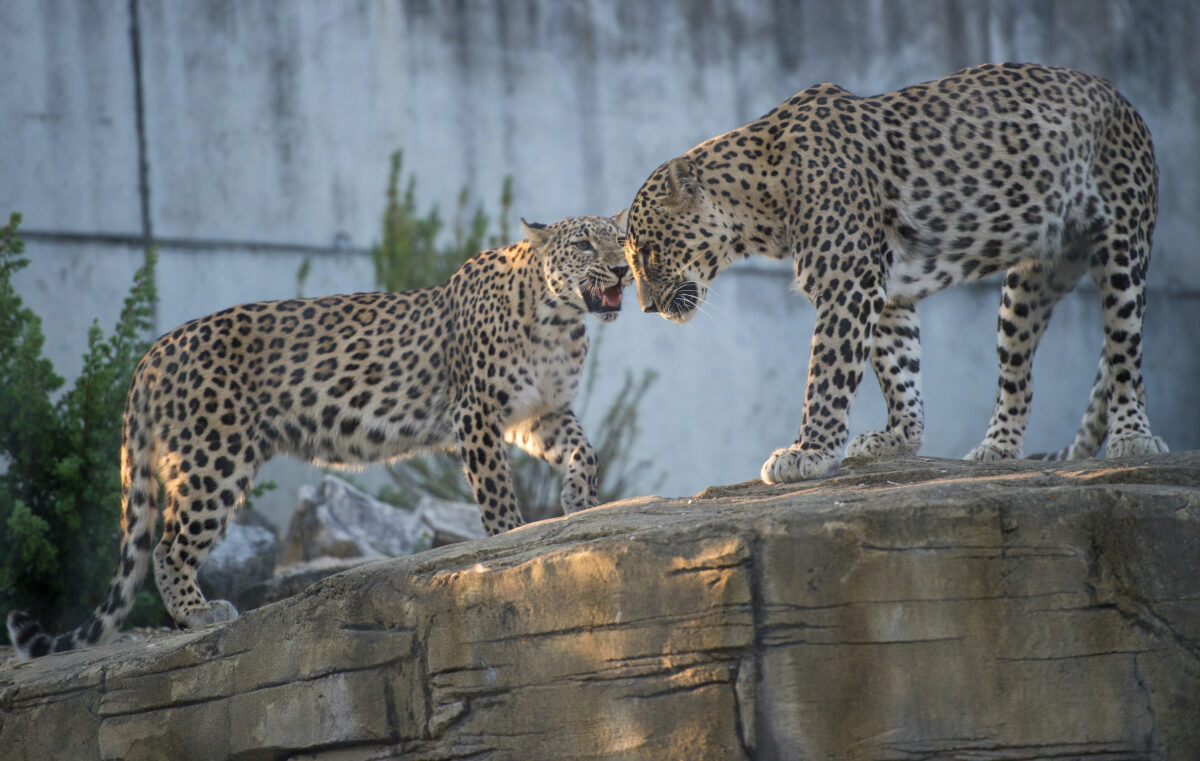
1036 172
490 358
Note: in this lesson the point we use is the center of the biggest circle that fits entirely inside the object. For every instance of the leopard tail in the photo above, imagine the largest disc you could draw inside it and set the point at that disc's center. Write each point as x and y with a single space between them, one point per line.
139 513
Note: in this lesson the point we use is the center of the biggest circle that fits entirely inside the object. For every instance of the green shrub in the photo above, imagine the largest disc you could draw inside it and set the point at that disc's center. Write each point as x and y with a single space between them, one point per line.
410 256
60 491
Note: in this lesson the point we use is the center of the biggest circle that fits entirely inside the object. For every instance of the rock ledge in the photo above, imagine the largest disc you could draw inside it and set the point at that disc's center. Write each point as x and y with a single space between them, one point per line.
918 609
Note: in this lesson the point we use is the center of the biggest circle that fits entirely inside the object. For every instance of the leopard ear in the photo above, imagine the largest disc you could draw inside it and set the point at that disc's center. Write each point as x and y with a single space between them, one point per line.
621 219
679 183
534 232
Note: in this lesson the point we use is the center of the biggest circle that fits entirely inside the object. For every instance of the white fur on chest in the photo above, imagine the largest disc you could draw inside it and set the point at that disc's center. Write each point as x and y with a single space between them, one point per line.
551 376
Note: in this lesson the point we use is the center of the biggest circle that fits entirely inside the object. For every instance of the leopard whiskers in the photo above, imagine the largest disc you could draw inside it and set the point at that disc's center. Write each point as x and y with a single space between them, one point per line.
690 296
705 304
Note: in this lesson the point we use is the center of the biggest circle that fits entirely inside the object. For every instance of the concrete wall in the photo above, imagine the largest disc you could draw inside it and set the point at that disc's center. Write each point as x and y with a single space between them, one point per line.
245 136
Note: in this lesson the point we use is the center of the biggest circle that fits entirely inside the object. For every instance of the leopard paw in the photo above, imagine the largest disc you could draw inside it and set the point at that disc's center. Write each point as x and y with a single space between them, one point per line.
575 503
578 493
214 612
987 452
789 465
1134 445
879 444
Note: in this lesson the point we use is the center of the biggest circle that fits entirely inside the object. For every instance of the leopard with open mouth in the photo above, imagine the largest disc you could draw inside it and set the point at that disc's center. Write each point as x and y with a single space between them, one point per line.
492 357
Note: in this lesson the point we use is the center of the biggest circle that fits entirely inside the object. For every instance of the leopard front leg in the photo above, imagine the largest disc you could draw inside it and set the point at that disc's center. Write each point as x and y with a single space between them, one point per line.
486 463
558 438
896 357
841 341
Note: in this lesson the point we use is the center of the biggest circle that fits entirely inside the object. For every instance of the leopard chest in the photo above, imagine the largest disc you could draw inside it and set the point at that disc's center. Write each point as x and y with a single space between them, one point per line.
547 372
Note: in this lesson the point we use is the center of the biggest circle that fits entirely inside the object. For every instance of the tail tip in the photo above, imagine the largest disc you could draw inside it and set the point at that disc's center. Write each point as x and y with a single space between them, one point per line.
26 635
21 626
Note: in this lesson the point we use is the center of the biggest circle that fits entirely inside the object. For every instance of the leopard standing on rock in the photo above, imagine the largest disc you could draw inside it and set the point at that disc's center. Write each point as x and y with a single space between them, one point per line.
490 358
880 201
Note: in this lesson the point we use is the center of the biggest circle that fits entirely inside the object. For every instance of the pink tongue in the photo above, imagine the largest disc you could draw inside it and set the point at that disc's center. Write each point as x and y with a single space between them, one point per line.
612 296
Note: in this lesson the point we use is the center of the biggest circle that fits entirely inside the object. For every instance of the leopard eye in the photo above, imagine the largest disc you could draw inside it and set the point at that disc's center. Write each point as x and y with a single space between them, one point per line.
583 244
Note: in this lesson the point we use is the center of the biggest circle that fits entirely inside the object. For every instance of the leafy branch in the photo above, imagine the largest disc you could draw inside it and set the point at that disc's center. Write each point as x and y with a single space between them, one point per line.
60 496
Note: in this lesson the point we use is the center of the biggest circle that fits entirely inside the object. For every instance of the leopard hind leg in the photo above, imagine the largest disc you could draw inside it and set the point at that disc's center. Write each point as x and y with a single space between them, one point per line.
1127 179
198 506
1029 294
1119 271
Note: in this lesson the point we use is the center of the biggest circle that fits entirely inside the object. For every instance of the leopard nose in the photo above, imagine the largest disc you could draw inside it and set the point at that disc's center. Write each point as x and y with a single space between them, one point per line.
645 300
620 271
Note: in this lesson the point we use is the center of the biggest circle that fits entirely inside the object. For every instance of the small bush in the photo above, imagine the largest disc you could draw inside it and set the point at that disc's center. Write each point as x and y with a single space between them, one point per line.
60 492
410 255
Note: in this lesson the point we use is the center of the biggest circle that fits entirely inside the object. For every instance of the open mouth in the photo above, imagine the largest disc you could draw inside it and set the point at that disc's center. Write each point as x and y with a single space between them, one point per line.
603 300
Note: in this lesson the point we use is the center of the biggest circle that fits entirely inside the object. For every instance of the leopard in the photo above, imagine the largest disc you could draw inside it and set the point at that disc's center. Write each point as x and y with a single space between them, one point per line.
1031 172
490 358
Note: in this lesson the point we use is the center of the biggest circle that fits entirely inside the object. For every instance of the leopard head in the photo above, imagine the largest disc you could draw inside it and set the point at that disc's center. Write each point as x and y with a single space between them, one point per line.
583 261
677 242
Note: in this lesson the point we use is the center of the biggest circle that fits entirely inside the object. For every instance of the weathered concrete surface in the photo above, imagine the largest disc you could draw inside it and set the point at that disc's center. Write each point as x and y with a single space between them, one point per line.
924 609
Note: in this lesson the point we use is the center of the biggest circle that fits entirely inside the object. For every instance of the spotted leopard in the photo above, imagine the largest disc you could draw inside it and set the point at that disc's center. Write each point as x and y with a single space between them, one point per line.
490 358
1036 172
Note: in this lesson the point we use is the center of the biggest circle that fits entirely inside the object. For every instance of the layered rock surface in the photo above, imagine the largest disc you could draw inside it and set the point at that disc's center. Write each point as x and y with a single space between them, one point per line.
918 609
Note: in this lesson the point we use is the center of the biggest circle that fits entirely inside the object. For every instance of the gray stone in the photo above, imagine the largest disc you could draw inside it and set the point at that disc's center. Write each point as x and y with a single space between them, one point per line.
450 521
244 557
917 609
337 527
337 520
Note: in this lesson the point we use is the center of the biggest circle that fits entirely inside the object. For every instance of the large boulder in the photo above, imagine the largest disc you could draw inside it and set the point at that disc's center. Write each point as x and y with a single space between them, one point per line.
337 526
337 520
918 609
449 521
244 557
